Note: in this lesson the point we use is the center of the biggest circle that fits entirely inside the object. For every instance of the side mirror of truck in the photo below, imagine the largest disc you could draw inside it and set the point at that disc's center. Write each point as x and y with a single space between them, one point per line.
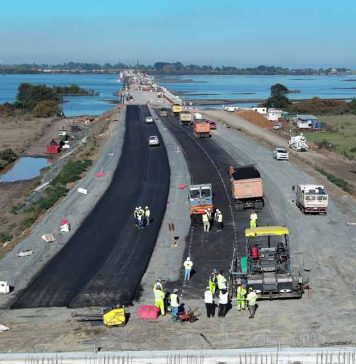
293 188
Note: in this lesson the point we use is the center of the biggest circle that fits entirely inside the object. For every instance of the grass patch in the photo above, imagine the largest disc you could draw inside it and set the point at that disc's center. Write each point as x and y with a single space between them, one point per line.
335 180
339 135
5 237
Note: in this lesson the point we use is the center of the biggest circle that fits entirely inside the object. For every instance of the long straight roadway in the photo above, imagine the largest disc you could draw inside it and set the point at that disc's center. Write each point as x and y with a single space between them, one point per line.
104 261
208 163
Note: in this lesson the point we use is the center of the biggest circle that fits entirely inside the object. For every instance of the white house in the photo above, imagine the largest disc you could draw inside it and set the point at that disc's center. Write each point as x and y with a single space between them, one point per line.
274 114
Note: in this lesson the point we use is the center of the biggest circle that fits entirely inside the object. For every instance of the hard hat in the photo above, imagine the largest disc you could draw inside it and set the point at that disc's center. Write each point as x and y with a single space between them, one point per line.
175 290
207 288
250 289
188 258
140 207
146 207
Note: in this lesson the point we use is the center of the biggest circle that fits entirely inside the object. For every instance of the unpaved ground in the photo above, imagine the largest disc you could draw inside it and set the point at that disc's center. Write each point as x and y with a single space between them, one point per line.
329 161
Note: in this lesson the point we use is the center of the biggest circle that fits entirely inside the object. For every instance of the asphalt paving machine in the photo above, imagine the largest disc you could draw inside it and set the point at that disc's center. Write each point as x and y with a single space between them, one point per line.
266 265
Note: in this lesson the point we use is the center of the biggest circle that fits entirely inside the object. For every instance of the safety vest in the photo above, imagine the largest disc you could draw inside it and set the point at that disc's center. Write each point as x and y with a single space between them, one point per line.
188 264
252 298
224 298
241 292
174 300
253 217
147 213
208 297
221 281
159 295
205 217
220 217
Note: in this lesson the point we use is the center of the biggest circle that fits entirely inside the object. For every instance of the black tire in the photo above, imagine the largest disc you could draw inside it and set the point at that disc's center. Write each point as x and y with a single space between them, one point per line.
239 206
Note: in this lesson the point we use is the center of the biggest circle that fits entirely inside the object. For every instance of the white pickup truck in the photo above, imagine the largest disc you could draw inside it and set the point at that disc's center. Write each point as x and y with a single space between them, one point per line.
280 154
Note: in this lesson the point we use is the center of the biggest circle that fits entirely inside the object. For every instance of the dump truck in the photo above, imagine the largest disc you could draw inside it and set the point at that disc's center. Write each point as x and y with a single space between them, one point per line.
266 265
202 129
311 199
185 117
176 109
200 199
246 187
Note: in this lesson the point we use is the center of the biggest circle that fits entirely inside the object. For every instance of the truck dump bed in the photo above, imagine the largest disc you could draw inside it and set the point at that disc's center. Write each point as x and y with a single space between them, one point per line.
202 129
246 183
185 117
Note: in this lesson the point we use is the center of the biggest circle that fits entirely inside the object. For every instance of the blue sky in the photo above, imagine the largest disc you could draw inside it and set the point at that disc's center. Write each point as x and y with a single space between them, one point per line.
223 32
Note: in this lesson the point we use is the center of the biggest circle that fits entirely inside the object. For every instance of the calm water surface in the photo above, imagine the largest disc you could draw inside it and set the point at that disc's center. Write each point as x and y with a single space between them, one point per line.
258 87
25 168
106 85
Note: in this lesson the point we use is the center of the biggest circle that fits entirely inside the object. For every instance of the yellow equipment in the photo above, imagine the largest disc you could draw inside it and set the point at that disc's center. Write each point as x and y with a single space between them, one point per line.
176 109
115 316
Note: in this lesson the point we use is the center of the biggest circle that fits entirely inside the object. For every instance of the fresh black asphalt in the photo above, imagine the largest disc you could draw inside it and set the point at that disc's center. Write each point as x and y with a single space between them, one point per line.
208 162
104 261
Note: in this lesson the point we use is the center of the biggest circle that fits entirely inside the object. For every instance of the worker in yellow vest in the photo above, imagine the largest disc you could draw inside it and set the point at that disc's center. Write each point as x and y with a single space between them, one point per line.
159 300
174 299
253 220
241 297
251 302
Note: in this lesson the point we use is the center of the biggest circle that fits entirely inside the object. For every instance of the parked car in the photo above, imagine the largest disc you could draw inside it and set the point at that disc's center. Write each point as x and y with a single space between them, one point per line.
277 126
149 119
212 124
153 140
280 154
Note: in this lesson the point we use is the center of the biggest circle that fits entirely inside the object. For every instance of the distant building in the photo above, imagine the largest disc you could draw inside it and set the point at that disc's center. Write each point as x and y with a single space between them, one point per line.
260 110
274 114
308 122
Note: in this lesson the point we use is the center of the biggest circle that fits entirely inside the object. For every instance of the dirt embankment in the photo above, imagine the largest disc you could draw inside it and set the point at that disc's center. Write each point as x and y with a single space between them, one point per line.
30 136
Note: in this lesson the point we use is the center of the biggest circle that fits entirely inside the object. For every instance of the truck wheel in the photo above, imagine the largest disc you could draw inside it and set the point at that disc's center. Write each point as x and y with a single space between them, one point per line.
238 206
258 205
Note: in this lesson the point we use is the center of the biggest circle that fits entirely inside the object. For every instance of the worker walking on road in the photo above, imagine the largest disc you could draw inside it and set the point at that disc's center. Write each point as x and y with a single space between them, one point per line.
147 215
209 303
159 300
253 220
223 302
136 216
251 302
206 221
241 297
218 219
140 217
188 265
174 299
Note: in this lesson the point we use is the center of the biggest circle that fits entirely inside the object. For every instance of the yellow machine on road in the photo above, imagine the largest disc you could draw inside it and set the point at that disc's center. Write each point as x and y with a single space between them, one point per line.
115 316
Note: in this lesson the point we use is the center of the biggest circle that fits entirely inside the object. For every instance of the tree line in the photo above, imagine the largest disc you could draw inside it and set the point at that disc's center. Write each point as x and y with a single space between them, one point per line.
167 68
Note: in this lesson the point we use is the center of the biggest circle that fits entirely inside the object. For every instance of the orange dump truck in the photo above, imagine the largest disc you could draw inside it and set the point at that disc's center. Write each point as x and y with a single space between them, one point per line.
202 129
247 187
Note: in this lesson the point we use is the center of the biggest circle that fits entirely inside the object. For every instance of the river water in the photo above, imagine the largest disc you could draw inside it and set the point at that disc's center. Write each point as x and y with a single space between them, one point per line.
258 87
106 85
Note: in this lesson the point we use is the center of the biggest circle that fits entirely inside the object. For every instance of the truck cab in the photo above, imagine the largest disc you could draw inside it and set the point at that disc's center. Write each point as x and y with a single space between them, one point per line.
200 199
312 199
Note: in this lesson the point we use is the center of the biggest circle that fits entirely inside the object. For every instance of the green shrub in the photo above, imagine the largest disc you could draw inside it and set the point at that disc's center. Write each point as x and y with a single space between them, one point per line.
5 237
8 155
46 109
53 194
72 171
335 180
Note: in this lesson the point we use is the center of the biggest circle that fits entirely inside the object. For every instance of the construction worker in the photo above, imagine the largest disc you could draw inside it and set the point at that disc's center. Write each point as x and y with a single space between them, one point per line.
253 220
140 217
223 302
147 215
188 265
251 302
241 297
159 299
206 221
209 302
212 283
136 216
221 280
218 218
174 299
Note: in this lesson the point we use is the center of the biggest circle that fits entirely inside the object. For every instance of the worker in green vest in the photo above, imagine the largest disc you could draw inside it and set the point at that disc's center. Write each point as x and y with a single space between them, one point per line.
241 297
159 299
212 283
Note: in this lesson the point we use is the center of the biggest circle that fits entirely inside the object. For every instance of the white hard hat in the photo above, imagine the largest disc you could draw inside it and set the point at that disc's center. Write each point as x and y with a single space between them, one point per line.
188 258
146 207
